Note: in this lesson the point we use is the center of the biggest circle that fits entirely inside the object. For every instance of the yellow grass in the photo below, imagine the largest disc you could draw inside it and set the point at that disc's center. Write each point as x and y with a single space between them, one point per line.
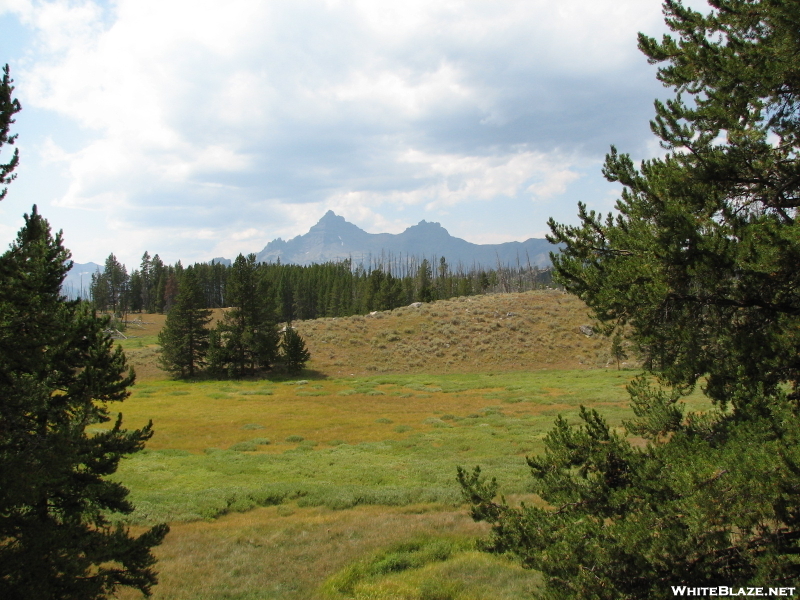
286 552
499 332
197 416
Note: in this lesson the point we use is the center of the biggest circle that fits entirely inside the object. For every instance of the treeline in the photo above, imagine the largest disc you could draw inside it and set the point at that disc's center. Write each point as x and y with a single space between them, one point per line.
297 292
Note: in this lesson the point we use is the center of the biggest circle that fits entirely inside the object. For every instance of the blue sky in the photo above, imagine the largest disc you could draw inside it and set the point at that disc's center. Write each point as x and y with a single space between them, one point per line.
196 129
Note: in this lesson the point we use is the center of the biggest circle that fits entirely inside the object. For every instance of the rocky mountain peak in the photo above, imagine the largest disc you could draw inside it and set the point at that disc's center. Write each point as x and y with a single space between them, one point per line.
335 238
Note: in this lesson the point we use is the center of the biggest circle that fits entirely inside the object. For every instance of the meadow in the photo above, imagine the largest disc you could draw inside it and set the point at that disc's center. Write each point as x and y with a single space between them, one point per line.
343 486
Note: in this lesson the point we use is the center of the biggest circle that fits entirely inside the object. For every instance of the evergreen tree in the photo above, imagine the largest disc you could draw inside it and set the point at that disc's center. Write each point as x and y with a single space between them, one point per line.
184 338
700 266
9 106
135 288
293 352
424 282
98 291
146 271
58 373
246 339
158 284
161 290
170 289
116 279
618 348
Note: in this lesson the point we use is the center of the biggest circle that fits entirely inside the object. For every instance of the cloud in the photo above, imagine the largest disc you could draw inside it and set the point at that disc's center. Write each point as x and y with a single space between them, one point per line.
216 116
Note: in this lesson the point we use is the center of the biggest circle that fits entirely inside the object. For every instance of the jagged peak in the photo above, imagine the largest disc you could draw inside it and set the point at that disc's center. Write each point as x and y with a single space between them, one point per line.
333 238
428 227
331 217
331 223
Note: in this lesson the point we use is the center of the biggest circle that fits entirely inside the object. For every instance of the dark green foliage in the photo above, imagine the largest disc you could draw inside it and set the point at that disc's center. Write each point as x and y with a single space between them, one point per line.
293 352
301 292
424 279
110 290
184 338
9 106
246 339
702 257
700 266
58 372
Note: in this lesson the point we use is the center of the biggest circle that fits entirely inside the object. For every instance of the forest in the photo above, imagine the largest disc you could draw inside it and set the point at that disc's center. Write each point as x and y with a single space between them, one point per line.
298 292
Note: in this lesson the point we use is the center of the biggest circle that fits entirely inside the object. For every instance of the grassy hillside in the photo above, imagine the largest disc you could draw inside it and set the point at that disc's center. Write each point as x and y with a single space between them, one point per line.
500 332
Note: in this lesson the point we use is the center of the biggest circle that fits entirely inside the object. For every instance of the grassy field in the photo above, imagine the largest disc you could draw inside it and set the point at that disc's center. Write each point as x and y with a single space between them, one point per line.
342 484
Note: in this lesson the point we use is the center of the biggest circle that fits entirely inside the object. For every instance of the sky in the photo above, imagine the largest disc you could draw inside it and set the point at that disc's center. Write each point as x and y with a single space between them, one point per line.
196 129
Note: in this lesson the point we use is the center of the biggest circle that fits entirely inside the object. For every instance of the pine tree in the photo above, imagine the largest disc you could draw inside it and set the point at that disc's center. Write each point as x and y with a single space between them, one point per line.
293 352
146 271
700 266
424 282
184 338
116 279
135 291
98 291
246 338
9 106
158 283
618 348
58 373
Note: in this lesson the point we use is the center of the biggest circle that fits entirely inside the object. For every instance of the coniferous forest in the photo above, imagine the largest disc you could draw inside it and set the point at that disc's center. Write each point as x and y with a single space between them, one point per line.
299 292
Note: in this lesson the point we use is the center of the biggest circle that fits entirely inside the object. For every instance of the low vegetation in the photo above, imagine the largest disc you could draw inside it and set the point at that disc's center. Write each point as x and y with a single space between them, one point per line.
275 487
499 332
344 455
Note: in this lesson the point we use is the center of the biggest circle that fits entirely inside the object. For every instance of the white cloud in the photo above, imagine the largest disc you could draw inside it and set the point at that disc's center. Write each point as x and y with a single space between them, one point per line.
22 8
554 183
467 178
252 112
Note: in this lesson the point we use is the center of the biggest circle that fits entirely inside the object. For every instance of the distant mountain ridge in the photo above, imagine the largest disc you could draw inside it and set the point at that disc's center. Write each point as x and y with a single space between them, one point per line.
334 238
76 283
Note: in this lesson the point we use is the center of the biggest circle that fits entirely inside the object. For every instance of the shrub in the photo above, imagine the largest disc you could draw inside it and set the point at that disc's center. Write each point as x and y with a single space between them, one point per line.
293 352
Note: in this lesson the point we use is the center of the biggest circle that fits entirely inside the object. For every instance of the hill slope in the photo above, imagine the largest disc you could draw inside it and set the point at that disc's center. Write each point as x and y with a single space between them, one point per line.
500 332
475 334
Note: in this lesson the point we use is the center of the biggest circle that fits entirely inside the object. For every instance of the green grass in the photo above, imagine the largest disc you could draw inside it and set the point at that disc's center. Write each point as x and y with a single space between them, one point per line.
386 444
431 568
414 461
137 341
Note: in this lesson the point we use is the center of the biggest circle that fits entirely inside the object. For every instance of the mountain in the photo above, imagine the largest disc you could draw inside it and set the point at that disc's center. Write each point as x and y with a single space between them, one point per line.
221 261
333 238
79 278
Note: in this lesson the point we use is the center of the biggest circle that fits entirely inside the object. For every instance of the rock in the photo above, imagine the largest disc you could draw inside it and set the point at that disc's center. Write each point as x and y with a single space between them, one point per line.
415 305
586 330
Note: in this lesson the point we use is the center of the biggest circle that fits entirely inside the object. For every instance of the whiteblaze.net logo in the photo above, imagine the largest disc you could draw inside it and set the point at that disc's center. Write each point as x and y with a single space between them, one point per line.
727 591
